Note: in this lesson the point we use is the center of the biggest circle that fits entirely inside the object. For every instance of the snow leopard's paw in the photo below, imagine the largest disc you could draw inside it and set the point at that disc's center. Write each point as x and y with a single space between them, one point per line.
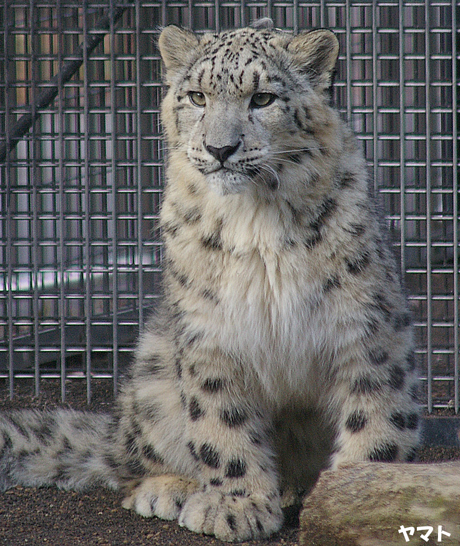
161 496
230 517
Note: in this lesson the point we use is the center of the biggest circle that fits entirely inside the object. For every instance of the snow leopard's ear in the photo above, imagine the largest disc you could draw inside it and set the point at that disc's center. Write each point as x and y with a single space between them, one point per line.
316 52
176 45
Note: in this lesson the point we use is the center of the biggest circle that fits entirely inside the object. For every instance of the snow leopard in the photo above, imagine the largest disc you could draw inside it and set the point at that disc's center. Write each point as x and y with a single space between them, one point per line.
283 343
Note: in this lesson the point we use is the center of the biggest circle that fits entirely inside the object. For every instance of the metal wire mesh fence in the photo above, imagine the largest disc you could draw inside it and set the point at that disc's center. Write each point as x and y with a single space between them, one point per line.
80 191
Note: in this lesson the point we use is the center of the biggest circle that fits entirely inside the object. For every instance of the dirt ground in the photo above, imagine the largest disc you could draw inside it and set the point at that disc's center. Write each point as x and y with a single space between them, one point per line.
49 517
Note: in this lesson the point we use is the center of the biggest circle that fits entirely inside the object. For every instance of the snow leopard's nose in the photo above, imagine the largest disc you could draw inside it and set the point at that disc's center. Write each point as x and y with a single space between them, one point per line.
222 154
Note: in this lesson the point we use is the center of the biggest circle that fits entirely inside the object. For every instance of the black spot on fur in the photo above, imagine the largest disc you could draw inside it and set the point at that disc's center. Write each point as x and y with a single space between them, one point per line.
194 338
366 385
382 305
212 242
233 417
135 427
213 385
397 378
19 427
358 264
200 76
151 411
231 520
297 120
326 210
216 482
195 409
398 420
7 443
312 241
412 421
296 213
136 467
356 229
210 456
356 421
347 181
191 447
152 366
401 321
171 229
332 282
236 468
130 444
209 295
111 462
256 439
378 356
182 279
178 368
385 453
192 216
238 493
414 392
45 431
149 453
411 361
412 455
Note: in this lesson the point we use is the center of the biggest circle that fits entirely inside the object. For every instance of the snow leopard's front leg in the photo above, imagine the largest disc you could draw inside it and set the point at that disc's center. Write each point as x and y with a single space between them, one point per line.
229 435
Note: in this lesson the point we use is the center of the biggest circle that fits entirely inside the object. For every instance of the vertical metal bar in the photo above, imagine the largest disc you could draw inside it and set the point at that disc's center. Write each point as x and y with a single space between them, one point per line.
402 135
295 9
429 310
87 212
375 112
34 177
269 9
140 276
190 14
217 15
61 227
163 12
348 58
323 14
113 196
61 255
455 190
9 221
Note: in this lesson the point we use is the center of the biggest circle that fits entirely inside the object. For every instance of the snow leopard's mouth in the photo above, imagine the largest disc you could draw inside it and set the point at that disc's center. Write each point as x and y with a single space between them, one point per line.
227 180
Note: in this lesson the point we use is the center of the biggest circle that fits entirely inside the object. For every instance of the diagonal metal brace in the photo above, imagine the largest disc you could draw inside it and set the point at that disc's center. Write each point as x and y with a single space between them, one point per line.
68 69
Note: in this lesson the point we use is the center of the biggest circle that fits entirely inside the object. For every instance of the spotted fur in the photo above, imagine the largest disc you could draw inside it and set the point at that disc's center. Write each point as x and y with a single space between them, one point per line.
284 342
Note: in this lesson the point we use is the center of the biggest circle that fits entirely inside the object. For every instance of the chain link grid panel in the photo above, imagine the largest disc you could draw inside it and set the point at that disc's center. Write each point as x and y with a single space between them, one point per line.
79 262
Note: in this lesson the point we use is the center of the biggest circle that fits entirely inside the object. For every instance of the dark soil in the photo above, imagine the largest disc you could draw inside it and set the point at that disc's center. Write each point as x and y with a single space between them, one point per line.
50 517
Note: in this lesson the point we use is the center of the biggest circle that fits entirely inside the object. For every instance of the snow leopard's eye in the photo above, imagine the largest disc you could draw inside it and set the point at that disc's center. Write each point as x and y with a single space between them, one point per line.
197 98
261 100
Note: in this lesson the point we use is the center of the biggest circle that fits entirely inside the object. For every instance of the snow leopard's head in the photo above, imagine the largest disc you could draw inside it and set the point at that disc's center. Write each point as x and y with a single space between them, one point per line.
248 106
